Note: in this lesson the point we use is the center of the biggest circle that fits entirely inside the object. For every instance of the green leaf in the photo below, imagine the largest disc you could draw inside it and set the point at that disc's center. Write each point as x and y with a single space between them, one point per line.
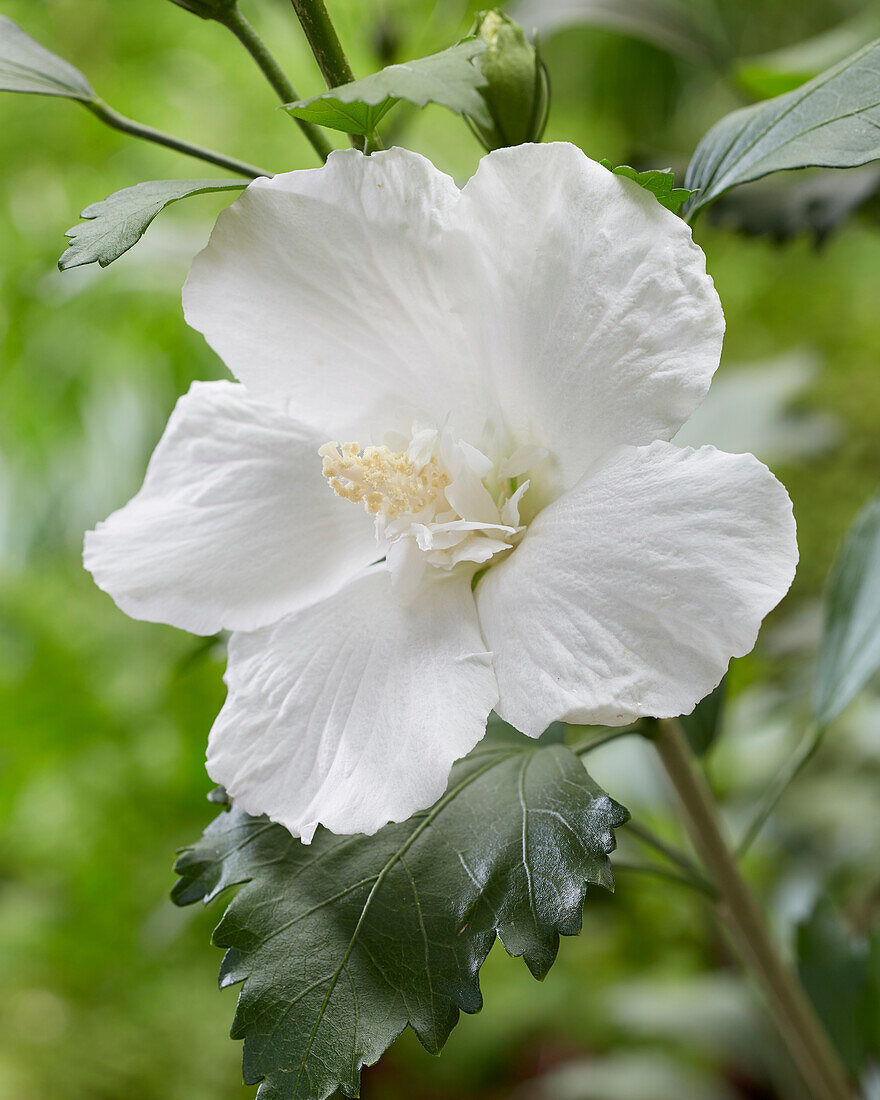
849 653
703 724
116 223
449 78
26 66
841 974
832 122
343 943
658 182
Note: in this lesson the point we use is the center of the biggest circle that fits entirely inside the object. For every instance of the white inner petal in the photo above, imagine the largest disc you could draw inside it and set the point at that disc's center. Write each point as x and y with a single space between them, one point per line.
438 500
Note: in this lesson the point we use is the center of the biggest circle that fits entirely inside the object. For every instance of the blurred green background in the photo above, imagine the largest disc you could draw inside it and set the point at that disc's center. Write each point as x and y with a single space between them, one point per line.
109 992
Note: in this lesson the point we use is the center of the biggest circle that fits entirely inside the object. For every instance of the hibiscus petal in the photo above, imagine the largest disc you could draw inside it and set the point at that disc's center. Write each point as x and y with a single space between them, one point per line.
587 300
629 595
234 526
350 714
323 288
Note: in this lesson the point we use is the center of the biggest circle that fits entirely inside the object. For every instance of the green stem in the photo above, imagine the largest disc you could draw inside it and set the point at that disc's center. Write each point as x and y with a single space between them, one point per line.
113 118
788 772
324 41
325 45
273 72
664 873
649 838
606 738
795 1017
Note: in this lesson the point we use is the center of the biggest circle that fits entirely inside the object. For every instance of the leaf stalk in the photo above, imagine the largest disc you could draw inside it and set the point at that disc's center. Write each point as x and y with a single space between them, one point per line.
595 742
686 865
692 883
789 771
795 1017
126 125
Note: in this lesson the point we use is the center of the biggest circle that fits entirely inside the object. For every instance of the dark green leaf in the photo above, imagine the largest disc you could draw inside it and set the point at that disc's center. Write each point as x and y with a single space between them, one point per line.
449 78
658 182
26 66
343 943
849 653
832 122
702 725
841 974
116 223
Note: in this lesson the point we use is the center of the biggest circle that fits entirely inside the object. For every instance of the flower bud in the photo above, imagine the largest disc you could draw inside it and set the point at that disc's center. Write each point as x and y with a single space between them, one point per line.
518 92
208 9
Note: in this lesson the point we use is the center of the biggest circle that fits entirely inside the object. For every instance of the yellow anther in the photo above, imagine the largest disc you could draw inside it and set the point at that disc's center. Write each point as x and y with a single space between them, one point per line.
385 481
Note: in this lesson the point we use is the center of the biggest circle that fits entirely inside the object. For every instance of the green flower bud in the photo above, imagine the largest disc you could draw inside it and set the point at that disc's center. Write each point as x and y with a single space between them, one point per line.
208 9
518 92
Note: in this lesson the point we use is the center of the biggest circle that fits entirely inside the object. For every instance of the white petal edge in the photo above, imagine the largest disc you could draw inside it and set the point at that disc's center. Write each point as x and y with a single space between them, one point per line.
585 299
234 526
630 593
322 290
350 714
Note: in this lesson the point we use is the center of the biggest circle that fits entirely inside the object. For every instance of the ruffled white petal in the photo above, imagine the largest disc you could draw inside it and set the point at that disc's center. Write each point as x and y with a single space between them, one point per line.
234 525
586 301
351 713
323 289
629 595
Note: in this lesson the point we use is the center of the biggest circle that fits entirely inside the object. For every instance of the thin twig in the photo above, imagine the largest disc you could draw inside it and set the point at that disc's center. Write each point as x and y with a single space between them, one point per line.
599 739
809 1045
663 872
674 855
273 72
113 118
805 751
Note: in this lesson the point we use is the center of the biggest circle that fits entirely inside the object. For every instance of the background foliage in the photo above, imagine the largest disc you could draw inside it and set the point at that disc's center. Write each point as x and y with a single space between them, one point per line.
109 990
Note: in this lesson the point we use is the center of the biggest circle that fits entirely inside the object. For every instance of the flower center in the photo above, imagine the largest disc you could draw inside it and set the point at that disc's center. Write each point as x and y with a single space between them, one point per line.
439 501
387 482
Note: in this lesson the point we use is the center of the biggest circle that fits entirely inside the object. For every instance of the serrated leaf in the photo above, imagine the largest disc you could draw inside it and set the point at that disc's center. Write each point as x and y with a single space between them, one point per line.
833 121
26 66
849 653
658 181
703 724
449 78
116 223
344 943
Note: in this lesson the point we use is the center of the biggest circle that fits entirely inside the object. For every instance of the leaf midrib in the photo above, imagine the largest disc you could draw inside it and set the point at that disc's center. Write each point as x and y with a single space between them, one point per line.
500 756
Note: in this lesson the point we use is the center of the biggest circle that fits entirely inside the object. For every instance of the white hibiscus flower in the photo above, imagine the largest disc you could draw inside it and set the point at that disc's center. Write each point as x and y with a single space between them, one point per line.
443 481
